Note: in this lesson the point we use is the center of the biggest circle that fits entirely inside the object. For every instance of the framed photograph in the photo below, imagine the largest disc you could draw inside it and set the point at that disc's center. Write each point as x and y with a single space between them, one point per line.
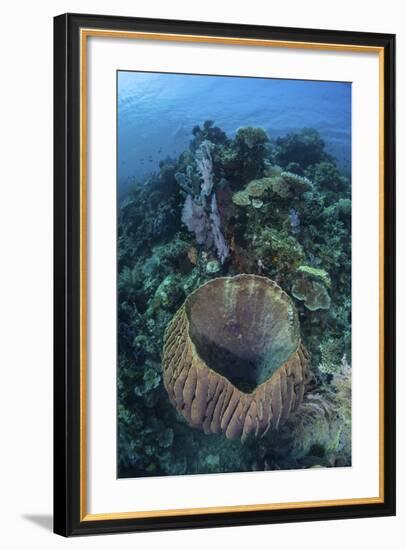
224 274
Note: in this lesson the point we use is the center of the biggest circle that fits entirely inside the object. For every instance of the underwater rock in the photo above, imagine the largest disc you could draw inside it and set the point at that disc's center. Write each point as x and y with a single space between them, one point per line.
314 294
233 360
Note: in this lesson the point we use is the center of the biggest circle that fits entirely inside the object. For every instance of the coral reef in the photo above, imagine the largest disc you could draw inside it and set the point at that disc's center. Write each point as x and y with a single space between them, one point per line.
314 294
233 361
277 208
315 273
200 215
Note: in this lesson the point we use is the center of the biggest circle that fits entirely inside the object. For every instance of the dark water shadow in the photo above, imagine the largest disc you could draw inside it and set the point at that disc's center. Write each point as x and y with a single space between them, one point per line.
42 520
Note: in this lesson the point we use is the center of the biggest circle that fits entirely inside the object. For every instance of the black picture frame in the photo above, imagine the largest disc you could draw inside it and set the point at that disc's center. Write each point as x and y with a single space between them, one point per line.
68 519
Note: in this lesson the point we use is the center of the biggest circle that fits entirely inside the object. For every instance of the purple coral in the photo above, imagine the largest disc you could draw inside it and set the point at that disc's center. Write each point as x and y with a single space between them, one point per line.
205 166
195 219
200 215
218 237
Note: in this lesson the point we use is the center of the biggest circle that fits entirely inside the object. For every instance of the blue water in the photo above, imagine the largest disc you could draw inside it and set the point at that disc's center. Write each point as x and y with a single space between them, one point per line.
157 111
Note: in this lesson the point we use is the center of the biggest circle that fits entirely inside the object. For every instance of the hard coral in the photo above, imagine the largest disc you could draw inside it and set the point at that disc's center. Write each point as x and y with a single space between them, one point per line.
252 137
316 274
304 148
314 294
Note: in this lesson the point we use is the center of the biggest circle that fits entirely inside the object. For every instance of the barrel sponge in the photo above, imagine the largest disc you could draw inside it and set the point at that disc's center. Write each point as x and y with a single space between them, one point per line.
233 360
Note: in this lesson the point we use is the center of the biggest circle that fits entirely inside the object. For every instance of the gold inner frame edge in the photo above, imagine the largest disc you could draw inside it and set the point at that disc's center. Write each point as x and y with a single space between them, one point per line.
84 34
